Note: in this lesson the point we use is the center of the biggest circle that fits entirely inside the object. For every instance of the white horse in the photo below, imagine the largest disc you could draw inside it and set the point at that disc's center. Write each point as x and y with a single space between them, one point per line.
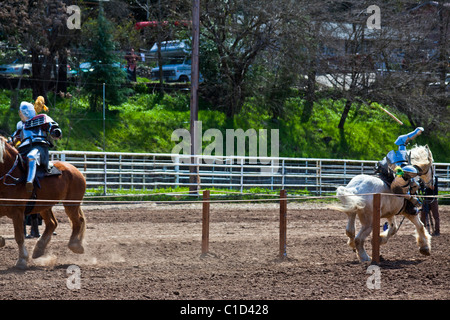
354 203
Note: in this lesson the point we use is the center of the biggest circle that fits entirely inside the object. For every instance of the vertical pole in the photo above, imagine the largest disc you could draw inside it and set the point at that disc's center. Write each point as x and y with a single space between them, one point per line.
193 178
242 174
283 224
177 170
105 173
205 223
104 119
376 228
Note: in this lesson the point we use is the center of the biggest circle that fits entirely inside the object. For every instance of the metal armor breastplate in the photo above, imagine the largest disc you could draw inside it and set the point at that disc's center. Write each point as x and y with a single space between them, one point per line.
33 135
35 130
397 158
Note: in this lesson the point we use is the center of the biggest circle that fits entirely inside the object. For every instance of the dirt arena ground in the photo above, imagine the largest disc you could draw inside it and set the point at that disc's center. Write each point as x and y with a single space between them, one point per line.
153 252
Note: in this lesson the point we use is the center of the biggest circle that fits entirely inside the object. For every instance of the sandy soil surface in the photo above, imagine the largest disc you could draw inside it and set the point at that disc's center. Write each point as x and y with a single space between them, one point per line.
154 252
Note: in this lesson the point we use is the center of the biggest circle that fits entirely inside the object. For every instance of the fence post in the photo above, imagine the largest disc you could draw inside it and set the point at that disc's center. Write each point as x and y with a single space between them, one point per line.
177 170
105 174
242 174
376 229
205 222
283 224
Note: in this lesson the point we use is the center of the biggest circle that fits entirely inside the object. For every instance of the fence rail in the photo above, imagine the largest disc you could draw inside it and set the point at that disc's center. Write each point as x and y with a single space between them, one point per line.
110 170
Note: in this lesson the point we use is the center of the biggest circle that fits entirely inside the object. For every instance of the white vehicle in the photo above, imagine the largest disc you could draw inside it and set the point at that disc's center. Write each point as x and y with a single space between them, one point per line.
176 64
16 67
174 69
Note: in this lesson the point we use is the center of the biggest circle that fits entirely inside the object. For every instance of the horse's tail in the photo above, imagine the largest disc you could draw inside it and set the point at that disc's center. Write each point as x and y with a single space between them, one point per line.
351 202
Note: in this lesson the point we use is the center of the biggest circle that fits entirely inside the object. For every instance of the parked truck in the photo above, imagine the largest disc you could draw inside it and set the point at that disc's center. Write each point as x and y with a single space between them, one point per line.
176 62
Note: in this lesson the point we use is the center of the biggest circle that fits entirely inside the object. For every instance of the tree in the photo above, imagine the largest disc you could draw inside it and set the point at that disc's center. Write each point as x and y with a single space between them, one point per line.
165 14
240 31
40 26
104 66
413 49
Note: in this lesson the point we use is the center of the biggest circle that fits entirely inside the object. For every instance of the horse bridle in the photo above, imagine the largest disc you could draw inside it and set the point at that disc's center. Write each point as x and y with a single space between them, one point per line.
427 184
8 174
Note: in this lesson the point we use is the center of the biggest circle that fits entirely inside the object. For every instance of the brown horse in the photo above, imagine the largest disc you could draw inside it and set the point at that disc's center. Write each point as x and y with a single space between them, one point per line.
70 185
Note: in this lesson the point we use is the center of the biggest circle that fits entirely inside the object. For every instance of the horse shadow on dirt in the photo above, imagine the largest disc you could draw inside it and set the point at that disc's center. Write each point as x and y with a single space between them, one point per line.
390 264
399 264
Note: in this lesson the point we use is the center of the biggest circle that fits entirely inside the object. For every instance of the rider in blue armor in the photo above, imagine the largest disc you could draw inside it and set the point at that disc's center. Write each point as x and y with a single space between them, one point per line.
405 173
33 138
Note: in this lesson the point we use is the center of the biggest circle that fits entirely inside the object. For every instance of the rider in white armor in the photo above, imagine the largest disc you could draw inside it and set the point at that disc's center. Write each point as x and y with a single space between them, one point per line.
404 171
33 138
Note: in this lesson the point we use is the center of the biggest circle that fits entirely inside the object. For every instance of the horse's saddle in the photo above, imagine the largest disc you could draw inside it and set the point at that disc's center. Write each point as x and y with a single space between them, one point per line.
41 173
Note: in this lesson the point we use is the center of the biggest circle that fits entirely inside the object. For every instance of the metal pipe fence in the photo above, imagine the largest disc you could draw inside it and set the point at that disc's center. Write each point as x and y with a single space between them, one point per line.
111 171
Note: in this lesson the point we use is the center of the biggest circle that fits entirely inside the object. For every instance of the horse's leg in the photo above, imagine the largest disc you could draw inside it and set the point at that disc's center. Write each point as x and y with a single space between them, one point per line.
350 230
422 236
391 230
18 219
365 217
76 216
50 226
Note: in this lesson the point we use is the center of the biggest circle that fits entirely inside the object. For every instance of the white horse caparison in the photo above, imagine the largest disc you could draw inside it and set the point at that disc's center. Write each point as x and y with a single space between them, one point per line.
355 203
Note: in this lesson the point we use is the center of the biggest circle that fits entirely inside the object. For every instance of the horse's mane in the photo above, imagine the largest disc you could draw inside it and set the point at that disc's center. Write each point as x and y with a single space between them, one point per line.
420 155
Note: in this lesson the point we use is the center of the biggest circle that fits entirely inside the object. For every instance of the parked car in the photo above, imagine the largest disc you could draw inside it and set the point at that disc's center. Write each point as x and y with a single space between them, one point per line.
172 48
175 69
17 67
176 64
437 85
87 67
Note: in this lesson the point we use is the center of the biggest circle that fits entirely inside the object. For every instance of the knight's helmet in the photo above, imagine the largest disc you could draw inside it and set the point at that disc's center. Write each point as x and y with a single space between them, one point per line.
27 109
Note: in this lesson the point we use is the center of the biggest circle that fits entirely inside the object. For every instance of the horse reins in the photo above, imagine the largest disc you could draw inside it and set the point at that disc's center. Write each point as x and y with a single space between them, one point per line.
8 174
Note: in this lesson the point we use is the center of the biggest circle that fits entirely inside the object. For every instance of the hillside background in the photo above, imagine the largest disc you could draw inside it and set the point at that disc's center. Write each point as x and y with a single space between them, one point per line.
316 70
146 121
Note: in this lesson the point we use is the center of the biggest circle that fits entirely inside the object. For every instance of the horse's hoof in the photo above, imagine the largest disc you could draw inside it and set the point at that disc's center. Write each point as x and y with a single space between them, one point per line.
76 248
425 251
39 250
364 259
2 242
37 254
21 264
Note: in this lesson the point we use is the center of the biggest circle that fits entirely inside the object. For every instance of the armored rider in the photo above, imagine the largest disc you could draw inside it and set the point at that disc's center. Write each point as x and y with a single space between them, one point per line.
404 172
33 138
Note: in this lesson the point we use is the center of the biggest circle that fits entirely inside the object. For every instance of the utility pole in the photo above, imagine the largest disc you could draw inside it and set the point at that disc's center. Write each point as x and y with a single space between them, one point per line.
193 179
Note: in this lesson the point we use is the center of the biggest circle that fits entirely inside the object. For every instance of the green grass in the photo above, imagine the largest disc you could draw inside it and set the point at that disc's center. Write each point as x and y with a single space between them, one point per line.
146 122
182 194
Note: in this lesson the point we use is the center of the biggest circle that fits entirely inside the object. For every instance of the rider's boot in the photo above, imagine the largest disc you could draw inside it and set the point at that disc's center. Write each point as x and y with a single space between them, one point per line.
32 165
413 205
